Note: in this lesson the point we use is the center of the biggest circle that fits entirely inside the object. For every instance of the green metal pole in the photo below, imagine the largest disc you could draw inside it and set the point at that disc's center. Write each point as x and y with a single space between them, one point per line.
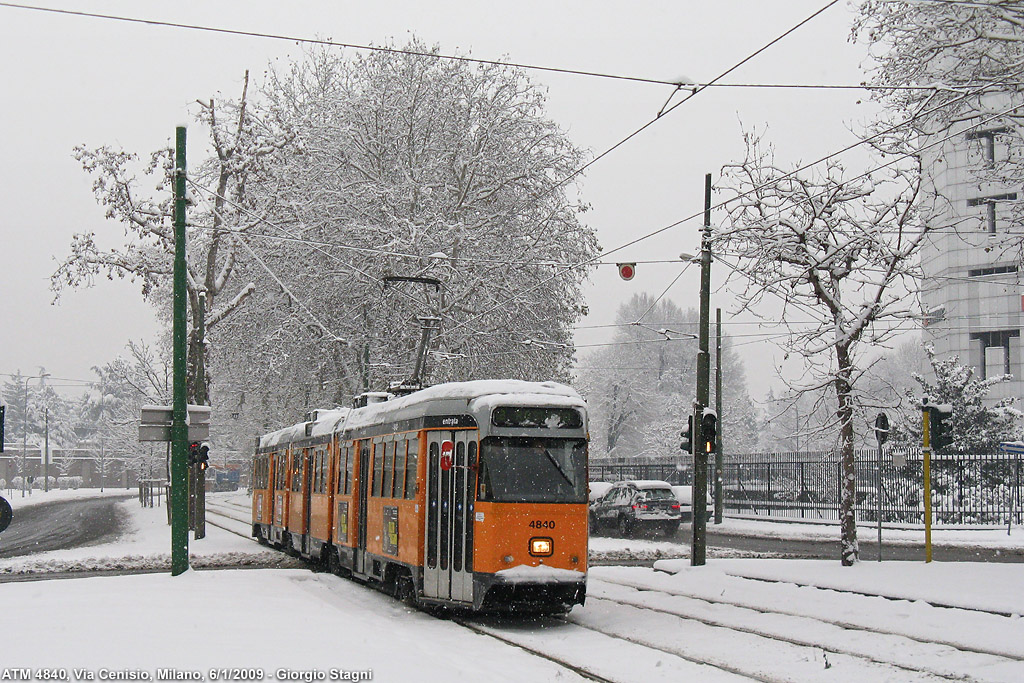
926 429
203 399
719 458
179 405
698 550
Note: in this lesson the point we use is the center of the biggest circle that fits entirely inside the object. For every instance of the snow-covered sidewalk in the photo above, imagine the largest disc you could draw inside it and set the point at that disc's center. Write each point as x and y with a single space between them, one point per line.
991 587
147 546
809 530
39 497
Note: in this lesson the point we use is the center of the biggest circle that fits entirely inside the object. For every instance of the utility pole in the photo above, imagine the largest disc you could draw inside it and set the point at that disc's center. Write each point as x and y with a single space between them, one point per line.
719 464
103 443
700 456
46 452
202 398
179 410
24 440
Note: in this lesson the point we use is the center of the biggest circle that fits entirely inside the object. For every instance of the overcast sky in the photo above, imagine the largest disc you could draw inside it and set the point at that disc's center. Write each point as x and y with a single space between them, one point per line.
68 80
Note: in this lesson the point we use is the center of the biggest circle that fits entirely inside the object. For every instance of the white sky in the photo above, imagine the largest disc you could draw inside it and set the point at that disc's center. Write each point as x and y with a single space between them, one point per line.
68 80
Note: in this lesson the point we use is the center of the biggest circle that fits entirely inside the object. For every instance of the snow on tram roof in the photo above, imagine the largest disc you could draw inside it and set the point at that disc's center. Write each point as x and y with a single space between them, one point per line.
494 391
483 394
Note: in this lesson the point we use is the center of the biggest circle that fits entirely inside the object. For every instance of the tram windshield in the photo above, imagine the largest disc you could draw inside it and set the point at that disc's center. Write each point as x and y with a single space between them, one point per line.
533 470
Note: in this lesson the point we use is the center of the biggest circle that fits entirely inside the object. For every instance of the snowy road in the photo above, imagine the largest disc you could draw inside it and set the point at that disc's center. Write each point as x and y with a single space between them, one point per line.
62 524
732 620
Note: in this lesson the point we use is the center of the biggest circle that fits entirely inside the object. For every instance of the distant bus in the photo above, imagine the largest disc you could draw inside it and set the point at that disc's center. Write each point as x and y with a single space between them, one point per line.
224 479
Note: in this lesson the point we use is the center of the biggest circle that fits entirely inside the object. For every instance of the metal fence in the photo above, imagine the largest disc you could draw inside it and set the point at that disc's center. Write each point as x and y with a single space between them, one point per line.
966 489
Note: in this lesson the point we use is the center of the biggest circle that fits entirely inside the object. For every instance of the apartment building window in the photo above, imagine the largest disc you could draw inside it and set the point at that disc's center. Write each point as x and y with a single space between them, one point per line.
995 340
987 142
992 270
989 203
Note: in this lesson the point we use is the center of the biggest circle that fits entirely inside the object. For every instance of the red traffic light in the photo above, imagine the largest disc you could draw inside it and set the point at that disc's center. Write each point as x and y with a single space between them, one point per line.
627 270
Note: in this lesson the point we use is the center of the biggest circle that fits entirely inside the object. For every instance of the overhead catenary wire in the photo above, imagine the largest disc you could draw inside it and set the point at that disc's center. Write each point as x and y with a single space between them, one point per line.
370 47
327 42
722 204
660 114
695 91
899 158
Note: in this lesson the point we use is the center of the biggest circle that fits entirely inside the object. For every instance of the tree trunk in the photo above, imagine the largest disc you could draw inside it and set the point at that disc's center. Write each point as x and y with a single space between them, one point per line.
847 515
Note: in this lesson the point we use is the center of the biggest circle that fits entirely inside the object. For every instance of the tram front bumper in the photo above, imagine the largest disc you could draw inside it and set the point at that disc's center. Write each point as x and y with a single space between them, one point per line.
519 592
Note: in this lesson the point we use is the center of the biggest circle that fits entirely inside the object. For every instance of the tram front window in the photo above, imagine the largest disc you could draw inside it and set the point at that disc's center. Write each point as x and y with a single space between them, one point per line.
532 470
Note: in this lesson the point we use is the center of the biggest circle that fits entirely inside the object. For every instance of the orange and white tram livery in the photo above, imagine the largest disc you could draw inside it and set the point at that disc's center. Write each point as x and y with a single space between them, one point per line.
469 494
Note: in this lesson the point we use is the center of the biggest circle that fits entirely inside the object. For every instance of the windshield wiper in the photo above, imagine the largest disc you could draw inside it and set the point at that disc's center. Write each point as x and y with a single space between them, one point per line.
560 470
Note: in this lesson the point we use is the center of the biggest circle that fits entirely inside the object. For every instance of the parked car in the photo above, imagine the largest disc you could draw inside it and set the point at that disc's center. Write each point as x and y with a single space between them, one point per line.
641 504
684 494
598 489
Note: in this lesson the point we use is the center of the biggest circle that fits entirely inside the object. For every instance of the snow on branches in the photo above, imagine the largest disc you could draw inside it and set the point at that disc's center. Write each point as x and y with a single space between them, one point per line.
839 254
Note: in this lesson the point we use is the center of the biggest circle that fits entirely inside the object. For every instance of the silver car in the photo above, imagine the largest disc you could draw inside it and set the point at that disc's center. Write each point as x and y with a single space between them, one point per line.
639 504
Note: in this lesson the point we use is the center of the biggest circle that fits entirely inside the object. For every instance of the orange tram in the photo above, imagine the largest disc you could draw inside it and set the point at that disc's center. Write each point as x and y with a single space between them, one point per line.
469 495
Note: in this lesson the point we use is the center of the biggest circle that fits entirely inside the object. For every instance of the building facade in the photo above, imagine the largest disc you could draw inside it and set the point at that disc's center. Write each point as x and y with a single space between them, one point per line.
971 291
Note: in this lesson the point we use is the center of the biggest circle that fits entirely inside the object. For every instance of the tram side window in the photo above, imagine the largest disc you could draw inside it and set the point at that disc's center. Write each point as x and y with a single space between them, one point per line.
389 469
410 468
402 446
297 471
322 487
314 480
281 472
378 467
350 468
342 465
325 469
318 471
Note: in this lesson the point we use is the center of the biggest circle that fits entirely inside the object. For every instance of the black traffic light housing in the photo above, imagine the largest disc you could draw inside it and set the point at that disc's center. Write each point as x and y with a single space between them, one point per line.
938 418
199 454
687 444
709 430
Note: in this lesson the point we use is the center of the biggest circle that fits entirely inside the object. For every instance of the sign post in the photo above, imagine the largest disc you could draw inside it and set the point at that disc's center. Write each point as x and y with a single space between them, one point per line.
179 436
881 436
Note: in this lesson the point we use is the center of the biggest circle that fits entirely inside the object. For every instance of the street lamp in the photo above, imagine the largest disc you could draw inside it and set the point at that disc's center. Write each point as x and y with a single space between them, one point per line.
24 423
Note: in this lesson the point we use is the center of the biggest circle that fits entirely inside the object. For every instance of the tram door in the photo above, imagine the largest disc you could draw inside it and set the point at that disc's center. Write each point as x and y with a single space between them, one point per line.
363 484
448 573
307 499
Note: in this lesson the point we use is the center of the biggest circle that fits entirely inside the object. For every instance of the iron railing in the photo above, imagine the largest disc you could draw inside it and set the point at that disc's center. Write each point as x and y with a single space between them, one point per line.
966 489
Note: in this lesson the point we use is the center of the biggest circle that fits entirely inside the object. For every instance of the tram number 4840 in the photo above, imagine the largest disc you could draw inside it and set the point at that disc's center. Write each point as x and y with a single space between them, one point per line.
542 524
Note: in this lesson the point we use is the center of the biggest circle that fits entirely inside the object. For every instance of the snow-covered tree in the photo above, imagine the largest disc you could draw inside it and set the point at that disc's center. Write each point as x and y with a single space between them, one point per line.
841 254
110 411
799 421
412 166
242 140
973 427
942 63
641 388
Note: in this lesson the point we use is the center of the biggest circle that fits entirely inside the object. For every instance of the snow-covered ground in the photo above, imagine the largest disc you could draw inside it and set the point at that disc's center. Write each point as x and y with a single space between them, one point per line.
38 497
734 619
972 537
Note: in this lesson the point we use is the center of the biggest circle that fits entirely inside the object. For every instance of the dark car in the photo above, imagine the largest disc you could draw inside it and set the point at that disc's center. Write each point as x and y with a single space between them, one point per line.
631 505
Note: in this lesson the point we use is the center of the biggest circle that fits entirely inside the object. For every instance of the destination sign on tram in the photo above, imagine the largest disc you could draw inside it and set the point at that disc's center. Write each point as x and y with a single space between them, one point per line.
534 417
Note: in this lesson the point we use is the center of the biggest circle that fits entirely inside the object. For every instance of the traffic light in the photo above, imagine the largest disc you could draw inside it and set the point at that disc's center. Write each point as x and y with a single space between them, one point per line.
203 458
709 430
687 434
939 415
199 454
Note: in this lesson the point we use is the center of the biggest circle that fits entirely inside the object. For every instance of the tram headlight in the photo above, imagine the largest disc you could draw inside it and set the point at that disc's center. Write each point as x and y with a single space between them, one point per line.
541 547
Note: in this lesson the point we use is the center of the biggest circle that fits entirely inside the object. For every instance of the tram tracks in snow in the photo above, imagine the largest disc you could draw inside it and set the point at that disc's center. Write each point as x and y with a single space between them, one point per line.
821 638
